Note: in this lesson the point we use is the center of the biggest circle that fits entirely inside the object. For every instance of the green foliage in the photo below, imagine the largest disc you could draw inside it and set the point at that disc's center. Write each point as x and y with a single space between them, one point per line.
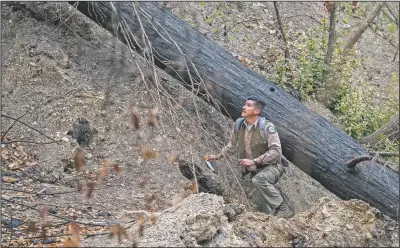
392 27
359 113
356 106
307 63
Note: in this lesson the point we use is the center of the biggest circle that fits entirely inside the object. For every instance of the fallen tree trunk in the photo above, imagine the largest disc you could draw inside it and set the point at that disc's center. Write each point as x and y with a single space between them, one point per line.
308 140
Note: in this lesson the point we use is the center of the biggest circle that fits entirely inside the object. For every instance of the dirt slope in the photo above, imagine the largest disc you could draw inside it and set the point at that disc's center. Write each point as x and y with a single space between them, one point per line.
57 66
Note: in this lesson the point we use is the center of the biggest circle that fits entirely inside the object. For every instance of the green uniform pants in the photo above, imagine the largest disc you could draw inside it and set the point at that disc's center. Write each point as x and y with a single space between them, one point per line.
268 198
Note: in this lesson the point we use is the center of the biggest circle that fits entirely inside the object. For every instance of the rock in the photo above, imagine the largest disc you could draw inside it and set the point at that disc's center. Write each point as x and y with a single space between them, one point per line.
52 210
65 139
88 156
14 223
104 214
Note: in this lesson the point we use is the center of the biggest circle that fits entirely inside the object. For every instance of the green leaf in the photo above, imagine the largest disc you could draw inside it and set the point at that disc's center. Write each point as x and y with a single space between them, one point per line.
392 27
202 4
345 20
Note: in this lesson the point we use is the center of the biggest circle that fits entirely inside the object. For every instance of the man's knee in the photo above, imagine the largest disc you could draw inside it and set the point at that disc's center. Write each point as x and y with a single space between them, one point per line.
256 180
266 177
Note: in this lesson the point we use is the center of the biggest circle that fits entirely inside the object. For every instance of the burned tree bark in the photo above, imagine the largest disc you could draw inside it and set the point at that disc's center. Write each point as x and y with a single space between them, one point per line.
308 140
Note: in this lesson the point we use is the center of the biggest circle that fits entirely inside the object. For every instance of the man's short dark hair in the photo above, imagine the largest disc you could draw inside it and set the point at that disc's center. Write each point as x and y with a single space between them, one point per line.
258 103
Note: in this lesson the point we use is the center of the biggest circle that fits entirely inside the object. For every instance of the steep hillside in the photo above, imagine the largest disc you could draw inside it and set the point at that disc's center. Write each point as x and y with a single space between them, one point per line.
58 67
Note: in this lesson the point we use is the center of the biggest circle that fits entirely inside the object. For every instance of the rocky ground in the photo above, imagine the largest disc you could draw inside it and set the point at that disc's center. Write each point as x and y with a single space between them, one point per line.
58 67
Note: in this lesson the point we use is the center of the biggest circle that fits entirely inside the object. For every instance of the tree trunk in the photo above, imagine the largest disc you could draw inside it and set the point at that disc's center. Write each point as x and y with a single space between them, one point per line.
390 131
308 140
332 37
329 94
286 50
357 34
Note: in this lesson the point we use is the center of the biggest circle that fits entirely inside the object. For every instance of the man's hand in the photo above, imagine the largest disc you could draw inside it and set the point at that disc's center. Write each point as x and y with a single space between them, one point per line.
211 157
246 162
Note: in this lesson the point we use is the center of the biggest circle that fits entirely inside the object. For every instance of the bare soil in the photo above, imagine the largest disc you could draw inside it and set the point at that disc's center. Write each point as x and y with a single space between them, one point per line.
58 66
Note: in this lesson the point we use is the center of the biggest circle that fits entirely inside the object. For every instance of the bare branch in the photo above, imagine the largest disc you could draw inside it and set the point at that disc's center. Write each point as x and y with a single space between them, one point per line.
353 162
383 153
16 119
58 216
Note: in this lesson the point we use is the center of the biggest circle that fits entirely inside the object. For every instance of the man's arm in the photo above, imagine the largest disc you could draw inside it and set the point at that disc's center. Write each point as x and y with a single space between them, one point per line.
274 154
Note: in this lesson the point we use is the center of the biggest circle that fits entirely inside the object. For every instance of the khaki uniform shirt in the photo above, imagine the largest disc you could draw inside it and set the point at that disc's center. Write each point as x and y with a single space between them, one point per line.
273 155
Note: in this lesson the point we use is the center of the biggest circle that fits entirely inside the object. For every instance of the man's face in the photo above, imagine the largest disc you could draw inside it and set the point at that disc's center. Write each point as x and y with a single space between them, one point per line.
249 109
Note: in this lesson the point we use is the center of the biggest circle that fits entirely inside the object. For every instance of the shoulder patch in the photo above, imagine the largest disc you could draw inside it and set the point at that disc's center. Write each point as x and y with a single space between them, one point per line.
271 129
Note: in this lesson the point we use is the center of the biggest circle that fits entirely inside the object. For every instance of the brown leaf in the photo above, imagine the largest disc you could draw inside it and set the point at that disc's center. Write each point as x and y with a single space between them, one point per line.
330 6
148 153
153 219
90 186
117 169
70 243
140 222
74 229
9 179
119 231
152 118
135 117
103 171
32 226
173 157
79 159
195 188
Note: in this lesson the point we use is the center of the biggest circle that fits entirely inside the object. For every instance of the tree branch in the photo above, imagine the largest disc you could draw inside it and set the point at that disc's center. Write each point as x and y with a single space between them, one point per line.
357 34
383 153
58 216
17 119
32 142
353 162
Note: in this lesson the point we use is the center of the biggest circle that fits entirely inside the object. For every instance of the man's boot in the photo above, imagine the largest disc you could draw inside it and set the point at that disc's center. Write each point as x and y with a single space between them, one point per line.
283 211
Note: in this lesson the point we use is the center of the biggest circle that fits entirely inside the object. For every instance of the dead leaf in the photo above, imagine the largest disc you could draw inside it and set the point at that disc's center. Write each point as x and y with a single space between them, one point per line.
173 158
32 227
79 159
70 243
152 118
117 169
153 219
119 231
135 117
21 241
9 179
330 6
148 153
195 188
140 222
90 186
103 171
13 166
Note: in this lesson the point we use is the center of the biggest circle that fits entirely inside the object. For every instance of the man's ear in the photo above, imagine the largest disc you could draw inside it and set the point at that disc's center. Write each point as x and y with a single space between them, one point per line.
258 111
